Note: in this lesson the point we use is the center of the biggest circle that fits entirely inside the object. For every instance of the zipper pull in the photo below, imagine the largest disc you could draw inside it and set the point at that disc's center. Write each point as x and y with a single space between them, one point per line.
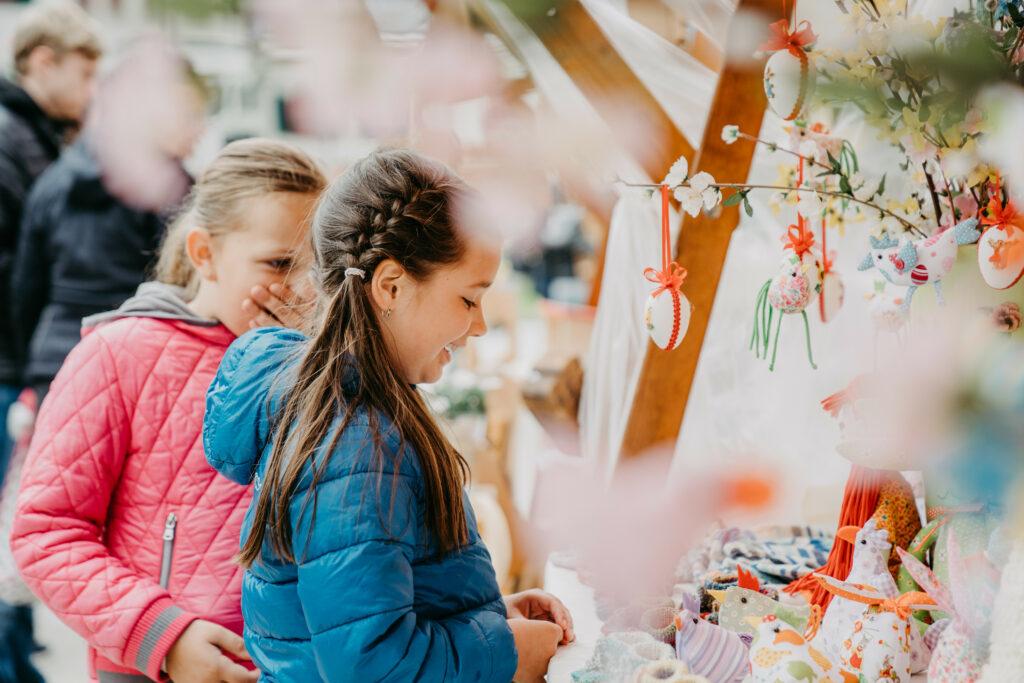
172 521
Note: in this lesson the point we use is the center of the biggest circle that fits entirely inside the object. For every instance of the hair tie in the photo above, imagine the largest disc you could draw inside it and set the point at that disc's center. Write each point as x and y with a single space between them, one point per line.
349 272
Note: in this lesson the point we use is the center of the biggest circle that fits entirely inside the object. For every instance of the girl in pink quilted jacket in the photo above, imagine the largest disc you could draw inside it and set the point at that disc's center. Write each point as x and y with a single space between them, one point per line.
122 527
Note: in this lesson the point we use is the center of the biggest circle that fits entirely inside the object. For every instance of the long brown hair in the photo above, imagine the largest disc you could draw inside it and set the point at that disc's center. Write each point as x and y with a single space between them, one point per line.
391 205
243 169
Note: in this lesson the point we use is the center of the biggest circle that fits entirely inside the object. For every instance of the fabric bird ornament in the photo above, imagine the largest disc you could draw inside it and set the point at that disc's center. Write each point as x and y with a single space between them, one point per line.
744 600
878 646
917 263
710 650
870 567
780 653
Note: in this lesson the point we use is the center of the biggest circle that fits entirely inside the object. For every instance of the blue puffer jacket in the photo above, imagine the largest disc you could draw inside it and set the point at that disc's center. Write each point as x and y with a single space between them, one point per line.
365 601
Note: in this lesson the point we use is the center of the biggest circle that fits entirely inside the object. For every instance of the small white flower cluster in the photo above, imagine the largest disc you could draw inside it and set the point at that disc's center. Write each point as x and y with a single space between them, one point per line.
699 192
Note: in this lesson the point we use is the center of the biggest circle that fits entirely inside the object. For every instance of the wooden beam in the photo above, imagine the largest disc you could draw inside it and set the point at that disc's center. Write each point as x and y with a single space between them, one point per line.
577 43
667 376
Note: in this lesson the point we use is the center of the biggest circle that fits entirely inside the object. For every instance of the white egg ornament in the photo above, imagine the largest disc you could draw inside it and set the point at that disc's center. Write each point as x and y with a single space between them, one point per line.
667 317
788 74
832 294
788 82
1000 258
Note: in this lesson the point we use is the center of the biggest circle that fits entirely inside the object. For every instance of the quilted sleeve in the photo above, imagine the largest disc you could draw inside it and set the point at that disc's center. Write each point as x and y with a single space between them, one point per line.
355 584
236 422
82 437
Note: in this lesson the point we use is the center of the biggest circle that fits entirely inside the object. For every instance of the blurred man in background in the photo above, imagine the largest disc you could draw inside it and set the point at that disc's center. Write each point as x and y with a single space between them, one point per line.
56 48
95 219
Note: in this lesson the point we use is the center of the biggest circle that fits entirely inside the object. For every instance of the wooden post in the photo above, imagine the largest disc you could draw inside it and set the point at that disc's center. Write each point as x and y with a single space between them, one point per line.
575 42
667 376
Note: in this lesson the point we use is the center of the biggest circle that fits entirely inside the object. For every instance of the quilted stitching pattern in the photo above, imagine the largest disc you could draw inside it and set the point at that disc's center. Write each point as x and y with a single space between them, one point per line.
117 447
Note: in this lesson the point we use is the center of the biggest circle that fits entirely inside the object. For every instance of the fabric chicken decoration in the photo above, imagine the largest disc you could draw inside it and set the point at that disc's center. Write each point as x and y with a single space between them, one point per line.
914 264
744 600
710 650
878 646
780 653
870 567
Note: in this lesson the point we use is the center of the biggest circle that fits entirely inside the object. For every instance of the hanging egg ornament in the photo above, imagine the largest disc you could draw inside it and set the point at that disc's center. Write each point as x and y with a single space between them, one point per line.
832 293
788 74
999 258
788 82
667 317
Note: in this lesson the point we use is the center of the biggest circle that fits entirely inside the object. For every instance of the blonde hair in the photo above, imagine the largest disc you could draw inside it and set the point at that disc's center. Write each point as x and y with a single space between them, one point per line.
64 27
243 169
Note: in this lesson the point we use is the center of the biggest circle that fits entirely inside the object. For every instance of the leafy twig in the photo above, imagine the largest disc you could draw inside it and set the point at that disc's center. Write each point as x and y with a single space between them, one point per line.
907 224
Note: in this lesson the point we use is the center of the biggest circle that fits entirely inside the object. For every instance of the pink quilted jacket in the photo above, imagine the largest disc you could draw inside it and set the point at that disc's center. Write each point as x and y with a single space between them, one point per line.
122 527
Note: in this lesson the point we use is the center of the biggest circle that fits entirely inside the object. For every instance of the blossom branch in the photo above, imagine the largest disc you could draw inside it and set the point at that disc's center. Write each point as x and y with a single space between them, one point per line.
906 224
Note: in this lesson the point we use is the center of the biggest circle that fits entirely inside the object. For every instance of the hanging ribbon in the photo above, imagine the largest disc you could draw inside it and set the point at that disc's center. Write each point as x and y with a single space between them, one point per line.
784 39
671 275
798 237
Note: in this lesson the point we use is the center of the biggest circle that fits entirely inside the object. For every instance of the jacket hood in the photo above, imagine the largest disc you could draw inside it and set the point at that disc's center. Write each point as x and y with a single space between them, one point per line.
153 300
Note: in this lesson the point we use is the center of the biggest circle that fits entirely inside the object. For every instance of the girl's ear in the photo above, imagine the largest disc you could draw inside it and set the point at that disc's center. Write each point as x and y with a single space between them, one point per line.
199 244
387 284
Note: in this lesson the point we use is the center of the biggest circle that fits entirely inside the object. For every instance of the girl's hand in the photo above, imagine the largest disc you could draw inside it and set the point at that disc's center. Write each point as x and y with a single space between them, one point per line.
536 604
536 642
278 306
196 656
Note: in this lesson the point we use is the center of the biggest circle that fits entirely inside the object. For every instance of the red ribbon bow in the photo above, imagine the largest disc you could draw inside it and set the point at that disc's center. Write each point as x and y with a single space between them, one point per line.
669 278
784 39
799 239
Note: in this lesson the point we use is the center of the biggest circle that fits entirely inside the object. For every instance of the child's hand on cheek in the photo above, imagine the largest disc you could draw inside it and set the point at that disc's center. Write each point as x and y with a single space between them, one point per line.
278 306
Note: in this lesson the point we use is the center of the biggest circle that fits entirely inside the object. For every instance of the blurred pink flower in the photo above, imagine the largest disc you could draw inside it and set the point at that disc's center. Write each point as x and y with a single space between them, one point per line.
966 204
143 122
629 534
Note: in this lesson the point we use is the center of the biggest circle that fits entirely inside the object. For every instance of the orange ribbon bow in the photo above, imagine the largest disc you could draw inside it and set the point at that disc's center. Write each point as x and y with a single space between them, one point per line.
670 278
799 239
1008 217
784 39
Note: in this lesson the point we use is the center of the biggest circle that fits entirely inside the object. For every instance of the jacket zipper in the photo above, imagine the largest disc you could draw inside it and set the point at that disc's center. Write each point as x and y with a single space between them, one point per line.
165 558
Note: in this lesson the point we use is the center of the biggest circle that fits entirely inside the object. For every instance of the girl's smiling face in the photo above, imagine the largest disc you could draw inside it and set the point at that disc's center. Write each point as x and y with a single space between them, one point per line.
431 318
270 245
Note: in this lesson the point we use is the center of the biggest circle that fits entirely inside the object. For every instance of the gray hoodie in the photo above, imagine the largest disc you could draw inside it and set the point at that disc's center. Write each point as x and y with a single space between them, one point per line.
153 300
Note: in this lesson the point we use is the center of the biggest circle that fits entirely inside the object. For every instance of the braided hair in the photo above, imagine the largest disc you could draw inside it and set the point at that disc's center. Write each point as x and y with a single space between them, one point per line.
394 205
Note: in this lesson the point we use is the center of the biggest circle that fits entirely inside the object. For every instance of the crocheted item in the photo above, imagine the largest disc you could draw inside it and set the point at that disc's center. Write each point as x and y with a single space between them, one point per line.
629 617
668 671
617 655
710 650
660 623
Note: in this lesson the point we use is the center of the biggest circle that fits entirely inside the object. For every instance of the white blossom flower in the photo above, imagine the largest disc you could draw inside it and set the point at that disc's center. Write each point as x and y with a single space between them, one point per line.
810 205
866 190
808 148
730 134
690 199
678 173
701 185
892 226
856 180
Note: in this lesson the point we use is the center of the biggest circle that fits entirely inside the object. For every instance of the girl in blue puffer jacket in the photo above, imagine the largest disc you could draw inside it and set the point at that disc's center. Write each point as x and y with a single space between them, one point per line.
363 558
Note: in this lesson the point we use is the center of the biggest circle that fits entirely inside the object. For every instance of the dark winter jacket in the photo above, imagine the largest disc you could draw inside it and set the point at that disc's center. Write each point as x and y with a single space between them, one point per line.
81 251
29 142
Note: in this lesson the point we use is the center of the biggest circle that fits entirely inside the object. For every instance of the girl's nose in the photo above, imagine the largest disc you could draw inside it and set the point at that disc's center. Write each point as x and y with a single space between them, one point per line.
478 327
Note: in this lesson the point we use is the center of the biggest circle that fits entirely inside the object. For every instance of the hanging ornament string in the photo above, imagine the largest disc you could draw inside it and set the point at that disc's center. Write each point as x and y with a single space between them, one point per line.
798 237
671 275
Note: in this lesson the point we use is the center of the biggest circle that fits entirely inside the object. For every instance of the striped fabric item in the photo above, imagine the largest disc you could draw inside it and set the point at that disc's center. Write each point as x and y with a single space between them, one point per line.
719 655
